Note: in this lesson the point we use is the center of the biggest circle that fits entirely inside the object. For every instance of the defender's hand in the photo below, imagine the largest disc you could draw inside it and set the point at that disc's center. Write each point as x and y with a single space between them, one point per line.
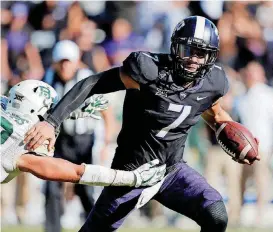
148 174
40 132
90 108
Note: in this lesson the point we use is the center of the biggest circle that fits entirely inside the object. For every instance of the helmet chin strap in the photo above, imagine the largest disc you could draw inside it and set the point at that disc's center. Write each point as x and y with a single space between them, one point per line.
182 78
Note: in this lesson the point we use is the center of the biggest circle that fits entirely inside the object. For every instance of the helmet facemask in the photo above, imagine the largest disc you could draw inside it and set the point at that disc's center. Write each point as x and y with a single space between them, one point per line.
192 60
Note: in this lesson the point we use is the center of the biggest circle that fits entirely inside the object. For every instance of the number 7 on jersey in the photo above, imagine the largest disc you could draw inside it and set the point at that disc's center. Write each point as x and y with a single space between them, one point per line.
185 111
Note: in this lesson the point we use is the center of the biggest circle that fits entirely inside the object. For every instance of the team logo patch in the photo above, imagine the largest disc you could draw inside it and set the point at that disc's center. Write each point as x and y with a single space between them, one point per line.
183 95
161 92
44 91
201 98
19 97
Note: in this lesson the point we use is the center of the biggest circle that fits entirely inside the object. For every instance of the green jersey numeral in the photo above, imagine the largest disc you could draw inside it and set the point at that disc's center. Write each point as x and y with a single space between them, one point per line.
7 129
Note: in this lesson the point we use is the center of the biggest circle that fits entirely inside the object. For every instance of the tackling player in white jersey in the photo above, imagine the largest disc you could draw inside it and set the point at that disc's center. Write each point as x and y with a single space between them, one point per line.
27 103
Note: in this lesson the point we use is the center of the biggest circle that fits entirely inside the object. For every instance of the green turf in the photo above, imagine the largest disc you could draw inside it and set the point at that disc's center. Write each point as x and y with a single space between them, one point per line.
38 229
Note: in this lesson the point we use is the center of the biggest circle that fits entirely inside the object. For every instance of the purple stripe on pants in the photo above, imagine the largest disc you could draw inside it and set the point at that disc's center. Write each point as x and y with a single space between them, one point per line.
184 191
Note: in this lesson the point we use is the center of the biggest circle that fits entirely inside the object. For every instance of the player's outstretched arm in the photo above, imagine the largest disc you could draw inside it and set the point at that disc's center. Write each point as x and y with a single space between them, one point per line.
56 169
104 82
49 168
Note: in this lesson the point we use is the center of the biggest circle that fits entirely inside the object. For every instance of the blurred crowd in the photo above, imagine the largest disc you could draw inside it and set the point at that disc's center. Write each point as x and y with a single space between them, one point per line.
97 35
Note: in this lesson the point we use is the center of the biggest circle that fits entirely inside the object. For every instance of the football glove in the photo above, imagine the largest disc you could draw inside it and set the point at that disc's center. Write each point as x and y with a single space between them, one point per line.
148 174
90 108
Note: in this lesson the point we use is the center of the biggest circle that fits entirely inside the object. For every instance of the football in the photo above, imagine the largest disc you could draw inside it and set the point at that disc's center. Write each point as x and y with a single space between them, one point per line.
236 140
42 150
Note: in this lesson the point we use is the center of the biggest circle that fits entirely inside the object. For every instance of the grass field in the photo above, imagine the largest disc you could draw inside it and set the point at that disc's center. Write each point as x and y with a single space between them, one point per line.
36 229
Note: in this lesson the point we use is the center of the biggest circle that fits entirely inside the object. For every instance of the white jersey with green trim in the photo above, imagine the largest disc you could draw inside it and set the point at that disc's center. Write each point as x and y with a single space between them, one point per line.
13 129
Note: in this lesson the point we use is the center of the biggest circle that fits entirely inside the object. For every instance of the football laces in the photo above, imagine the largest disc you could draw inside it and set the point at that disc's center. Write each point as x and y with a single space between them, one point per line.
226 149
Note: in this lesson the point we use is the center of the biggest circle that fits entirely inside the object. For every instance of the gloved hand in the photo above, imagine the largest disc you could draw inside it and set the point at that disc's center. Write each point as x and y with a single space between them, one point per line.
90 108
148 174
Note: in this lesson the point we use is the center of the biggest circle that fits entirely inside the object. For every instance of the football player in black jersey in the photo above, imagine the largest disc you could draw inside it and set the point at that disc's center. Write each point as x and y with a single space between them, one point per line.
166 94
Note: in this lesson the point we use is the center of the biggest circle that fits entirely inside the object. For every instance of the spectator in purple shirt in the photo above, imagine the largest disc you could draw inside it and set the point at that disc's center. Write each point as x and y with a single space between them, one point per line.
123 41
19 33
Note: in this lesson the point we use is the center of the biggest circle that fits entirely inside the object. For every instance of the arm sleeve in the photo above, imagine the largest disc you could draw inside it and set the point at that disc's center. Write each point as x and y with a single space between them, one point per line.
104 82
103 176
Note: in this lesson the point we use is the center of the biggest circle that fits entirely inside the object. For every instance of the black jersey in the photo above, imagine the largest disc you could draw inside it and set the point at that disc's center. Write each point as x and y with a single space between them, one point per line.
157 118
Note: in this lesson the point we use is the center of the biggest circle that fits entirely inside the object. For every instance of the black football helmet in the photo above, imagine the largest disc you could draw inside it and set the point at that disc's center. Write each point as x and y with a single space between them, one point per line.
194 36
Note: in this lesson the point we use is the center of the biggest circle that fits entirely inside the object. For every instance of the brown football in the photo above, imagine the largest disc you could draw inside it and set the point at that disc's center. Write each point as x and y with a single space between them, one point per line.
236 140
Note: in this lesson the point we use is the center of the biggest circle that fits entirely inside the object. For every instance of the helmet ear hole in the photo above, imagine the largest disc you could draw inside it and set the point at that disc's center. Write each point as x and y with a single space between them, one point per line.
32 111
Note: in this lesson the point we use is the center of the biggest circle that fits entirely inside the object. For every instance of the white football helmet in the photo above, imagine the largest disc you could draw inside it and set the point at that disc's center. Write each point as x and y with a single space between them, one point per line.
31 99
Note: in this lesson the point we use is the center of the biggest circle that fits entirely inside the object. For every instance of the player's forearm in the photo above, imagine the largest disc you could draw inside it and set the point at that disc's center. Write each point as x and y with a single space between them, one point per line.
49 168
215 114
222 116
104 82
212 119
55 169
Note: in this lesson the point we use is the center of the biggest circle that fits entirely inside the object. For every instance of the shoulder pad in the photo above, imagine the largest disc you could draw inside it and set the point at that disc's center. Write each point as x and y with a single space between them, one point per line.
219 79
141 66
